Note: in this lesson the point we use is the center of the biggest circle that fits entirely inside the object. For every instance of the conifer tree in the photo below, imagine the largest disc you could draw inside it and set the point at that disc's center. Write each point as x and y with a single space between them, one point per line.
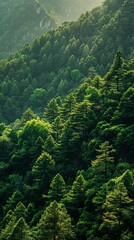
55 223
57 127
12 201
42 169
21 231
57 188
52 110
10 220
76 196
117 210
103 159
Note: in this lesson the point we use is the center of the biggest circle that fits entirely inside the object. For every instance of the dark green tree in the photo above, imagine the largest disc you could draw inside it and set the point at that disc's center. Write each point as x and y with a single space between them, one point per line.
57 188
52 110
117 209
76 196
12 201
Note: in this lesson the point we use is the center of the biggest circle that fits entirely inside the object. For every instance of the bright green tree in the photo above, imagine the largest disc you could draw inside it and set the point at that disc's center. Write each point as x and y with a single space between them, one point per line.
21 231
103 159
55 223
30 133
10 220
43 170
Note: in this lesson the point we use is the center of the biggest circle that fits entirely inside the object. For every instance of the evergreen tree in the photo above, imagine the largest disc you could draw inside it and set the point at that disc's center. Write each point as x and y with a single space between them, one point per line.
103 160
55 223
20 231
10 221
117 210
75 198
52 110
57 128
42 172
12 201
57 188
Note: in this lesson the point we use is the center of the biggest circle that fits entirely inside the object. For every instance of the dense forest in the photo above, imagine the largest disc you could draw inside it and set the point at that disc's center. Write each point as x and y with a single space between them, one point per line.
67 130
59 61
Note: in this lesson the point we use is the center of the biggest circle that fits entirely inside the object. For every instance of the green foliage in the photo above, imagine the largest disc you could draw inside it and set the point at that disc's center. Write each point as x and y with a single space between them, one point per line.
12 201
55 223
31 131
43 168
103 159
20 231
57 189
37 98
117 209
76 196
58 61
79 152
52 110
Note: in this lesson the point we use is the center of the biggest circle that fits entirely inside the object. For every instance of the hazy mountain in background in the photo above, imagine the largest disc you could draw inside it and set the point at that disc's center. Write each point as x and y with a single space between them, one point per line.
69 10
21 21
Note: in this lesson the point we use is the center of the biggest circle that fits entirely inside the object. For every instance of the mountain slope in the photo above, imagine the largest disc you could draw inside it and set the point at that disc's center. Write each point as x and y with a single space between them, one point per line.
60 60
74 165
67 169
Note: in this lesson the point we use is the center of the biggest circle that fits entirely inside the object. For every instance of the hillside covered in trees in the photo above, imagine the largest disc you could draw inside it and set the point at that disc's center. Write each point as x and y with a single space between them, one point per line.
60 60
67 130
69 175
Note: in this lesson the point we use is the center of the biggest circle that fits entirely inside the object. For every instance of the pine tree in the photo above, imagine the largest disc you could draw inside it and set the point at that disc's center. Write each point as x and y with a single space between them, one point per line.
12 201
42 169
57 188
10 220
57 127
103 160
52 110
20 231
117 209
55 223
76 196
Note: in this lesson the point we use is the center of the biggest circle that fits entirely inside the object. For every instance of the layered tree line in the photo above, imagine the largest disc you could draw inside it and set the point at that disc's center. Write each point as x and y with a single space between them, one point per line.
70 174
60 60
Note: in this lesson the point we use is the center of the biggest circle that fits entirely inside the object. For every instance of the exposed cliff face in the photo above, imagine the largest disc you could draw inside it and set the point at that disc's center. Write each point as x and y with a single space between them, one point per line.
21 21
69 9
